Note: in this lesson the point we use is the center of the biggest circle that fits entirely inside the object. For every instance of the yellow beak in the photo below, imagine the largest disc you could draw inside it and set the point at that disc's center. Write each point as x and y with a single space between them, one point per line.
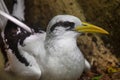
86 27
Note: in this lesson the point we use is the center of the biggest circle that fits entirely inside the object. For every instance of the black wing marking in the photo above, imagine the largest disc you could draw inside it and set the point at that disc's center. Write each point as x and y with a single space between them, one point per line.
13 35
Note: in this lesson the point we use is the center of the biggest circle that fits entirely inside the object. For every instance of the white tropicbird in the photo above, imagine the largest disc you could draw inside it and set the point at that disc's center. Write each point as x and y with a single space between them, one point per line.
63 59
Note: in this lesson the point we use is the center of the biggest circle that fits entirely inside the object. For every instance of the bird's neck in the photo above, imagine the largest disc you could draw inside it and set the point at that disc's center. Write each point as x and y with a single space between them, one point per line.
60 39
61 45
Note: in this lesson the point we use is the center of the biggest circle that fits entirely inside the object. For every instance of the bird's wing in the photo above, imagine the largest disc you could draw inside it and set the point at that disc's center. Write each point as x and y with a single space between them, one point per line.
24 48
20 53
11 31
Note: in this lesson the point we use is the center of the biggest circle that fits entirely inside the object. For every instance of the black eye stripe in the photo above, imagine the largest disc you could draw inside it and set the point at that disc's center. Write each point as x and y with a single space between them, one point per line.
64 24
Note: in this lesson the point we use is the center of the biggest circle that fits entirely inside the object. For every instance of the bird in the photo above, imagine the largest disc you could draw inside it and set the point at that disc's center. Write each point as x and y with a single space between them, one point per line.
57 53
64 60
50 55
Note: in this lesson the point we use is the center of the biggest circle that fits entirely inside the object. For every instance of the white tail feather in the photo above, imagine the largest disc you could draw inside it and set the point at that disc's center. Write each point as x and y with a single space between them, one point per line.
3 20
18 10
19 23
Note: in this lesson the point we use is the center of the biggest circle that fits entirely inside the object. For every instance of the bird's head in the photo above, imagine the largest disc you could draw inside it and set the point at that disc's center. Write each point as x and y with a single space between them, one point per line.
68 25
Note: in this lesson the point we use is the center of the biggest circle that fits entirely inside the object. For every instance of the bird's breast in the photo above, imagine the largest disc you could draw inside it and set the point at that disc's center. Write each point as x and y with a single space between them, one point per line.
64 68
64 63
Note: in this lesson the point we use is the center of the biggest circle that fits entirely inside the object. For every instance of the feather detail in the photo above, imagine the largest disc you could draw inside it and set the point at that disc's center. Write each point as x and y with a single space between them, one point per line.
19 23
18 10
3 20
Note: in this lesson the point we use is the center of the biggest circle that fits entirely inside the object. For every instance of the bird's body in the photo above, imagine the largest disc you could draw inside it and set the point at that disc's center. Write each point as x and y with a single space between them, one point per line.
60 58
57 54
64 60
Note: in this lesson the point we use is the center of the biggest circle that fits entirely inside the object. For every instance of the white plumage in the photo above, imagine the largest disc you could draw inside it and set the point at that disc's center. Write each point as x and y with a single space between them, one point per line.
18 10
64 59
56 52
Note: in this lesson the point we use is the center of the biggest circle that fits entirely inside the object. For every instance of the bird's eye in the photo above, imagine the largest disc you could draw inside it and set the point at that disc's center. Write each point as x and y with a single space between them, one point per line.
68 25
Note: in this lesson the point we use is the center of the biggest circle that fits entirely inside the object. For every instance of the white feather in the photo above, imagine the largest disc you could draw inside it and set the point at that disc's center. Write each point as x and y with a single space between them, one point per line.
18 10
32 71
19 23
3 20
34 52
